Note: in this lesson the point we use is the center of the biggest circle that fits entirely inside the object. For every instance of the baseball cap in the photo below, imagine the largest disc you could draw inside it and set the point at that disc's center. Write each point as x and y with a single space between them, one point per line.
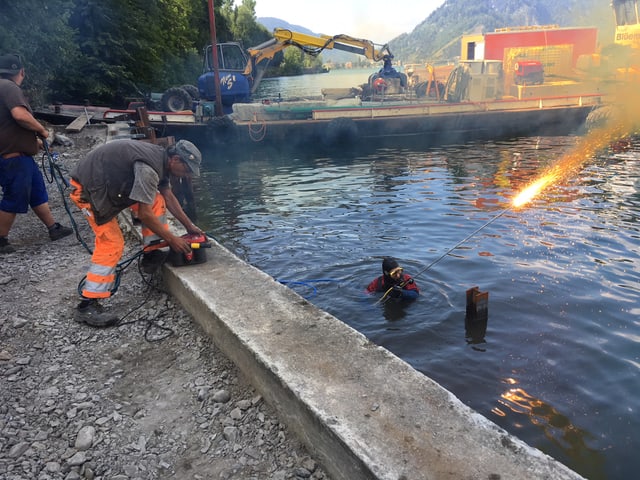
189 154
10 63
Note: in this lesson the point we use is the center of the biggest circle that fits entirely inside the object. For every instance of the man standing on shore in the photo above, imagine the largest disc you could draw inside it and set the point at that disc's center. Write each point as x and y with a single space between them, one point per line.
20 178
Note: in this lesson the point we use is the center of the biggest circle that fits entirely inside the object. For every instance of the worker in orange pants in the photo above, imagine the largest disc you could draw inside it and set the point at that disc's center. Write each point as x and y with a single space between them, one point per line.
128 174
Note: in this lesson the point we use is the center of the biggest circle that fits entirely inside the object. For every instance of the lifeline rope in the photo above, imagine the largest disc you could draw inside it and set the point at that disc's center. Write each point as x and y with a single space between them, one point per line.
257 134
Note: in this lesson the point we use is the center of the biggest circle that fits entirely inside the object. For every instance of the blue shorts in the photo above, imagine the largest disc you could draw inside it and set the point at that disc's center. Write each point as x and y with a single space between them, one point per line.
22 185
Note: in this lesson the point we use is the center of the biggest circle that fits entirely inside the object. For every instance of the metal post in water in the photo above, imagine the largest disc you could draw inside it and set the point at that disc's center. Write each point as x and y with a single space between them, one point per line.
476 319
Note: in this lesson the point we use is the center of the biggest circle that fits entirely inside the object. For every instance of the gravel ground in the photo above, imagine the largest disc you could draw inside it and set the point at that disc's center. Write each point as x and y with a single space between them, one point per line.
152 398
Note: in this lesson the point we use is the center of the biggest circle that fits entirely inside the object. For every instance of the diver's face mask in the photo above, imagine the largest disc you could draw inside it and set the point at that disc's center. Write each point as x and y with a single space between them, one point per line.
396 273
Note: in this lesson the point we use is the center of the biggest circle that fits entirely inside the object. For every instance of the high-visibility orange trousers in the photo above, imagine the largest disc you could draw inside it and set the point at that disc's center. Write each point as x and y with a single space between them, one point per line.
109 245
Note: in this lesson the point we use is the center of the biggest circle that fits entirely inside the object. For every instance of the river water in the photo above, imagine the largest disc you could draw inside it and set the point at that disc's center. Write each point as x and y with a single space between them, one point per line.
559 363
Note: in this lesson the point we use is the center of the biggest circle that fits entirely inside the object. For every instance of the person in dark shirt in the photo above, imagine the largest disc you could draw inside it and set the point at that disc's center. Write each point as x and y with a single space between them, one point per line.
394 282
20 178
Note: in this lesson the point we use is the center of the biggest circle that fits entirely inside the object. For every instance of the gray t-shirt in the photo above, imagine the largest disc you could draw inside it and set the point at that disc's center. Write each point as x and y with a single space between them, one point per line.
145 183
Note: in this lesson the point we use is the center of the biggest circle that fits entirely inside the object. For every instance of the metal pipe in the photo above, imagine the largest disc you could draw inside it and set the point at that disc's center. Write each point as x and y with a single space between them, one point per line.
214 53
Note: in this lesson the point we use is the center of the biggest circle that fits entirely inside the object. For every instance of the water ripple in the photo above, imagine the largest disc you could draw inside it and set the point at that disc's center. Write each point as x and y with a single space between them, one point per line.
558 363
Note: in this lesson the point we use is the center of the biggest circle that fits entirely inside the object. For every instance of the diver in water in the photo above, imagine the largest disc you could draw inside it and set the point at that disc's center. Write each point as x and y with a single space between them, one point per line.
393 280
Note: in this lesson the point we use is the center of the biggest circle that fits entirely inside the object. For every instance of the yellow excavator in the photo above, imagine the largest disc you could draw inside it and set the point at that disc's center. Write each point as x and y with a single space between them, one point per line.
314 45
241 71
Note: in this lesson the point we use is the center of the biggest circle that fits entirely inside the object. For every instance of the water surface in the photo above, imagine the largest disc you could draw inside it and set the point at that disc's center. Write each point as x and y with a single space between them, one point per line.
560 361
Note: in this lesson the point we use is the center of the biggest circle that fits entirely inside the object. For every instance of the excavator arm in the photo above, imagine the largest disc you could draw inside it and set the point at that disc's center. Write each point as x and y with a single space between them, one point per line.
315 45
312 45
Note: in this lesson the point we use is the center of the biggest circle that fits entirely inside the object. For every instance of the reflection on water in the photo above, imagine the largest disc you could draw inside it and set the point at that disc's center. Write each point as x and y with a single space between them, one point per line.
562 274
556 427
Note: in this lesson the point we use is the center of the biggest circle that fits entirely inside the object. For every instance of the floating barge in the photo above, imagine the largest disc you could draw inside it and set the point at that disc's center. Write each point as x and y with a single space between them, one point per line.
296 125
383 124
513 82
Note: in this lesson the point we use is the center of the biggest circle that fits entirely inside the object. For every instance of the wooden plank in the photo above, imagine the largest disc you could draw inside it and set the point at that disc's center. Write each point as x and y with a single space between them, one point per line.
78 124
172 117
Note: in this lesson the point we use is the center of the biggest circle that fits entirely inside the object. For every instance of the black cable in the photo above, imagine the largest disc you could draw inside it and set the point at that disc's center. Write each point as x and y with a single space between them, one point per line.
151 323
56 174
462 241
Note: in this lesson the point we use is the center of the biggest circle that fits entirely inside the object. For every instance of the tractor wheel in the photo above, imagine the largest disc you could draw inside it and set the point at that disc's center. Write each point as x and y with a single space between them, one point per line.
192 90
176 100
601 117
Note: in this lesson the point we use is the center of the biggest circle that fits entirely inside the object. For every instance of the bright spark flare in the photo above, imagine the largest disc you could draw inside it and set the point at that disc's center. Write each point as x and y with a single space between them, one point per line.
571 162
526 195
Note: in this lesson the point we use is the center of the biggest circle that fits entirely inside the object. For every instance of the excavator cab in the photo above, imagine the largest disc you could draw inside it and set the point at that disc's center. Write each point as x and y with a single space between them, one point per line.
625 12
235 87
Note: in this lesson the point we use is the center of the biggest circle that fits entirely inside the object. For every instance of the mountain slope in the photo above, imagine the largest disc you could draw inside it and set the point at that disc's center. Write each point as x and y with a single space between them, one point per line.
437 36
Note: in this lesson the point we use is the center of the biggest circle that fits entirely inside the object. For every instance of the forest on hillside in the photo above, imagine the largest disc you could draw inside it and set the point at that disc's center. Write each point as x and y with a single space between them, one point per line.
105 50
108 50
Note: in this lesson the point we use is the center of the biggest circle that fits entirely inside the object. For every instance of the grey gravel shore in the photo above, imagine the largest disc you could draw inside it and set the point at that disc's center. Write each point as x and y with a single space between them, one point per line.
152 398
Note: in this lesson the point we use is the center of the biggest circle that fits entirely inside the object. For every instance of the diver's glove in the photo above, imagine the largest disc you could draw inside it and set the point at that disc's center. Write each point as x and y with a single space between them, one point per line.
396 292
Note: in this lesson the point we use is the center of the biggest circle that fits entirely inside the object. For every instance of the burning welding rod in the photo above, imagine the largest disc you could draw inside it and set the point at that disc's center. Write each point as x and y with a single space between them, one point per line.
475 232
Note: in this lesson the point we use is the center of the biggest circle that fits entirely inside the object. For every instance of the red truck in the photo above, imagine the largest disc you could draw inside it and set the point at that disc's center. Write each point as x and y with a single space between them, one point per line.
529 72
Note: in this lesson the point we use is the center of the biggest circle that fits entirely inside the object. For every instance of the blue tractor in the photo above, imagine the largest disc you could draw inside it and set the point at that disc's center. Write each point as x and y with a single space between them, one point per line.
235 82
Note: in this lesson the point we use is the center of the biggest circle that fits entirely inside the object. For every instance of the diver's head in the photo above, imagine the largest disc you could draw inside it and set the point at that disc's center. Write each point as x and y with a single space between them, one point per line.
391 269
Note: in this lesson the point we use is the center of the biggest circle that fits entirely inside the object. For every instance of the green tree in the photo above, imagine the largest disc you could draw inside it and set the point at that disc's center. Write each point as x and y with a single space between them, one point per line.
293 62
107 49
40 32
244 25
117 49
313 63
128 45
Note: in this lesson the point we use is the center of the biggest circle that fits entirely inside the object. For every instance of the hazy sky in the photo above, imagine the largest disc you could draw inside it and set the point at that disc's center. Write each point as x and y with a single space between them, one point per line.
375 20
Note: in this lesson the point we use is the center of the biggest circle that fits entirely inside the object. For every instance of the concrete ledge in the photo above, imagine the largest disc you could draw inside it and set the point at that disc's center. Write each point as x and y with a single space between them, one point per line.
363 412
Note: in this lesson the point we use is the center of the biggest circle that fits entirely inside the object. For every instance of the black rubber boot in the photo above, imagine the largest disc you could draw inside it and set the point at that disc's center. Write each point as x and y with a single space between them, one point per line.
153 260
92 313
57 231
5 246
